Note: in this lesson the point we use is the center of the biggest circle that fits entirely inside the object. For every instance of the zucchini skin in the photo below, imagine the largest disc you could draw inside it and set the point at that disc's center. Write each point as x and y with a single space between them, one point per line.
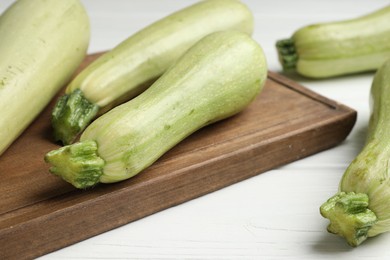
131 67
42 44
338 48
217 78
366 178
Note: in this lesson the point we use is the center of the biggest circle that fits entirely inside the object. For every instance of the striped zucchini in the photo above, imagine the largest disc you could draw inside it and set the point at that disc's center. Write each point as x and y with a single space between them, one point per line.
361 207
218 77
42 42
130 68
338 48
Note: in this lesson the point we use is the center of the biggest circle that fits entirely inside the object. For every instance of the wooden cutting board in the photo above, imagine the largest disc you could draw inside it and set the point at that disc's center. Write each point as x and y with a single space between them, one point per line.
40 213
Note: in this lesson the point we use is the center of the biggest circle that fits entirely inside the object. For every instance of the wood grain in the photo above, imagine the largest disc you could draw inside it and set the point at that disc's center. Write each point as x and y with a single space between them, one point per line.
40 213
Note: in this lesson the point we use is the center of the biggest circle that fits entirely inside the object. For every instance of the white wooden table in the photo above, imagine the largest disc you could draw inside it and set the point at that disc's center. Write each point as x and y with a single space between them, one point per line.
272 216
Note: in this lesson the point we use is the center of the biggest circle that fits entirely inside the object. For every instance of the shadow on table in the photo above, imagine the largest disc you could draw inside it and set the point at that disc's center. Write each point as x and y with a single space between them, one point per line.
331 244
299 78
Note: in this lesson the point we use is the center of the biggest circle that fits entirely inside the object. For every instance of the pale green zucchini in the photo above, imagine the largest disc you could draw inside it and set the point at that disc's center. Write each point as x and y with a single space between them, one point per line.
42 42
361 207
338 48
134 64
218 77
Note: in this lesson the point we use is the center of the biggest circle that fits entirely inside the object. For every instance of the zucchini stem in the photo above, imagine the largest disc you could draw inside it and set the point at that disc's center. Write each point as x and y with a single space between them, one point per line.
78 164
349 216
288 56
71 114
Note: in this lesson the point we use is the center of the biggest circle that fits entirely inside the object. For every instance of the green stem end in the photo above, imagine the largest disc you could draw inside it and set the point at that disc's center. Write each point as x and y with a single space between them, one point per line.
78 164
288 56
71 115
349 216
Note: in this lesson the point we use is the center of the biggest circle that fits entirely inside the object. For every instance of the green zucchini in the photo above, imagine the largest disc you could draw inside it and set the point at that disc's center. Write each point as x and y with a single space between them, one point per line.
215 79
129 68
338 48
361 207
42 42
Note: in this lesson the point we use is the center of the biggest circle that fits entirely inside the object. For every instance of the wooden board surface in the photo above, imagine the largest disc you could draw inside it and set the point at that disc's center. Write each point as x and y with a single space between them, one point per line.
40 213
